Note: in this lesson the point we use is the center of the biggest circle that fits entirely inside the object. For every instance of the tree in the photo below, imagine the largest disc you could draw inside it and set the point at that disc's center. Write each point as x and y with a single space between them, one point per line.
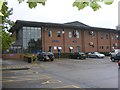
6 11
5 36
6 40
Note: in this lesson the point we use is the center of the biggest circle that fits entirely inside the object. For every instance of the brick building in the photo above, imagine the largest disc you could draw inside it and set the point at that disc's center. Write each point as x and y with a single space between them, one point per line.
68 37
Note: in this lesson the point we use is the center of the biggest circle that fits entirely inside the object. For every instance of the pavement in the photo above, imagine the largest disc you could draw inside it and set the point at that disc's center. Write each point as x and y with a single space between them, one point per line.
61 73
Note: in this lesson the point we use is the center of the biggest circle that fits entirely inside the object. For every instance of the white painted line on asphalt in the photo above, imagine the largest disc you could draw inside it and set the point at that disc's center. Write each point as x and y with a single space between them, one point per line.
21 78
69 86
51 81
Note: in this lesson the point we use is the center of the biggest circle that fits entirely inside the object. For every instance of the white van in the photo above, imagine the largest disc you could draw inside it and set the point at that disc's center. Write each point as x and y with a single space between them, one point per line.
114 52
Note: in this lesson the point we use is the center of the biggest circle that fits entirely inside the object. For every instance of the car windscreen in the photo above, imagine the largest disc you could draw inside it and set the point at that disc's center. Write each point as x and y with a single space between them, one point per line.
81 53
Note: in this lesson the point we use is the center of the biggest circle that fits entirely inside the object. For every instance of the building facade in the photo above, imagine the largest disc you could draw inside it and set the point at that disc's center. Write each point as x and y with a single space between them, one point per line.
32 37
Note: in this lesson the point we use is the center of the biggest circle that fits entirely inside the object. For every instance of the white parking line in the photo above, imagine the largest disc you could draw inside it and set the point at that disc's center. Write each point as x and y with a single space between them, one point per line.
51 81
69 86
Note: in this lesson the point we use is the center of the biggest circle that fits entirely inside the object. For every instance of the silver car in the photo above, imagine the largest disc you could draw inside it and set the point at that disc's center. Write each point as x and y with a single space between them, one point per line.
96 55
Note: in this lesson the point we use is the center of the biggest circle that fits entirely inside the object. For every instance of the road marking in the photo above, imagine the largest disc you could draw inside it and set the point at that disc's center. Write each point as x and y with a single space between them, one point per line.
69 86
21 66
5 79
51 81
31 72
10 77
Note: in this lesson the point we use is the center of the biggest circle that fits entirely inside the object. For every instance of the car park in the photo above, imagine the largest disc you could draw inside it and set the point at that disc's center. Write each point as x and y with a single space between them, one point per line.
95 55
78 55
45 56
115 57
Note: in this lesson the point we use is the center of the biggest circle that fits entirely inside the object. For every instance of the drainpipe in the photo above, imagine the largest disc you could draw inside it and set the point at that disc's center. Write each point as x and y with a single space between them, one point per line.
97 42
110 41
44 39
83 41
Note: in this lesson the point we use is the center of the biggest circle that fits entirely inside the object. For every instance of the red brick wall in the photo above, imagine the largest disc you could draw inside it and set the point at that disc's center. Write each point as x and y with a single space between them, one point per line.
89 38
100 45
64 44
12 56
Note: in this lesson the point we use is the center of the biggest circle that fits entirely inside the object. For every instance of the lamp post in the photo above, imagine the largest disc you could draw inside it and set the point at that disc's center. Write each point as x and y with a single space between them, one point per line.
63 32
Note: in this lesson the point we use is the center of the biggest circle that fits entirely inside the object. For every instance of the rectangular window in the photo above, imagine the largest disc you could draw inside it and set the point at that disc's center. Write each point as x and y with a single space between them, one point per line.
102 47
50 33
71 49
70 34
78 48
58 34
102 35
77 34
31 39
107 47
50 49
106 36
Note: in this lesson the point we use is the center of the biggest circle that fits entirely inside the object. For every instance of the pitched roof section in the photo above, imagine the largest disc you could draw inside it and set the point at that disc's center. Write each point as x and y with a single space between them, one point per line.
77 23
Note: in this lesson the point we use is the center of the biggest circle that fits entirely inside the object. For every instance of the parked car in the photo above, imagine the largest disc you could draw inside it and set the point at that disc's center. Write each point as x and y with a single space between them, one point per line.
45 56
78 55
95 55
114 52
119 64
116 57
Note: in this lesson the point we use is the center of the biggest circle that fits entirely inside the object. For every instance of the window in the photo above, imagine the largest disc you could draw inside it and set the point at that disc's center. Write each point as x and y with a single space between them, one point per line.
58 34
106 36
71 49
50 49
31 39
117 36
77 34
102 35
102 47
50 33
107 47
70 34
78 48
91 33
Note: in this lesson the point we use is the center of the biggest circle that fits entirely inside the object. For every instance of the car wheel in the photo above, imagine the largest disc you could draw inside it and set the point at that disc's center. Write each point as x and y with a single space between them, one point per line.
97 56
112 59
84 58
78 57
52 59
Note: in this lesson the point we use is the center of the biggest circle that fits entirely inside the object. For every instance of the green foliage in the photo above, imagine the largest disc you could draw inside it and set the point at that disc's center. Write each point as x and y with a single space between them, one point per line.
6 40
95 6
33 3
7 23
20 1
81 4
108 2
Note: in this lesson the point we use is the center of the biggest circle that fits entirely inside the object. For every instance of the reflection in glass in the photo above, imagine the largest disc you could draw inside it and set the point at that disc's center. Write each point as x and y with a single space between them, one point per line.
31 39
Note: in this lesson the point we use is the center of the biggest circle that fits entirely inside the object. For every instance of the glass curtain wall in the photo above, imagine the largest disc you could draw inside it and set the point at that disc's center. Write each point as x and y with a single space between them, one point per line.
31 39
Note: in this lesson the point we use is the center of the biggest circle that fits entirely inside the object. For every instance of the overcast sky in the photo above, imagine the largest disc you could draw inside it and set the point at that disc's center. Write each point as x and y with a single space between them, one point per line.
62 11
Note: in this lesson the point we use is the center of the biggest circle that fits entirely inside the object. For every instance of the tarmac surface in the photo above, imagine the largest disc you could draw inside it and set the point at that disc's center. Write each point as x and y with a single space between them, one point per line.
61 73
